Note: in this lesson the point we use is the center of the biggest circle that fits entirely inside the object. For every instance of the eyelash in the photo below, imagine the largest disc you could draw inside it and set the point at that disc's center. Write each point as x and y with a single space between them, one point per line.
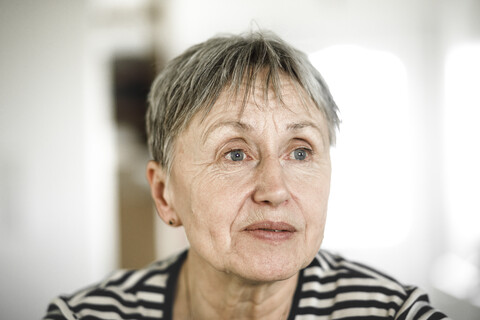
229 152
309 152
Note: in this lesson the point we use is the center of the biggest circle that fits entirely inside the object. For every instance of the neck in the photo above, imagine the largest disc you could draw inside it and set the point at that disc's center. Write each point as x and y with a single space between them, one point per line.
206 293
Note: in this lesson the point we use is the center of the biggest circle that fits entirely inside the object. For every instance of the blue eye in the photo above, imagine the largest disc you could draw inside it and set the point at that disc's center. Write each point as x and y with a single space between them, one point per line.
236 155
299 154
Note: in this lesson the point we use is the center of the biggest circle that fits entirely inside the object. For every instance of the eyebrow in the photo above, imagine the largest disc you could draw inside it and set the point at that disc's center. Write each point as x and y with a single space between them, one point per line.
309 124
242 126
238 125
304 124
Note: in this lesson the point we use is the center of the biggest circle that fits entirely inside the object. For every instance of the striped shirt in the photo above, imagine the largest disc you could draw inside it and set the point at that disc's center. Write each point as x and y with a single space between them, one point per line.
329 288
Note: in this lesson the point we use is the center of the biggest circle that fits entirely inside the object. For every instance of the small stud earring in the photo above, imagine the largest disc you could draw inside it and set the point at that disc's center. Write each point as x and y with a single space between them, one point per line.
170 222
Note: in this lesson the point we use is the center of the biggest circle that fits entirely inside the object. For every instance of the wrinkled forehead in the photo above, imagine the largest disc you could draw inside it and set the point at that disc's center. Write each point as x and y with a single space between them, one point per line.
264 94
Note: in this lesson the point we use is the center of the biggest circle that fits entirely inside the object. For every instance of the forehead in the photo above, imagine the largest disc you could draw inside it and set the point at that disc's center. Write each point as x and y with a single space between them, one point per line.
256 98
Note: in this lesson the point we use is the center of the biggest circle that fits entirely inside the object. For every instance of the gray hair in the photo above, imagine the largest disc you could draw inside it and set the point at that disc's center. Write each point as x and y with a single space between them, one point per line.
193 82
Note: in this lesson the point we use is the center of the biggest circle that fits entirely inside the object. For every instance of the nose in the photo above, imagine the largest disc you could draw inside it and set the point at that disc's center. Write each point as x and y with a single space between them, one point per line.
271 188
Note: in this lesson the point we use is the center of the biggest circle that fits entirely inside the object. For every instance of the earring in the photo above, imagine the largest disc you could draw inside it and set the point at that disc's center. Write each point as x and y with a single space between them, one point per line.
171 222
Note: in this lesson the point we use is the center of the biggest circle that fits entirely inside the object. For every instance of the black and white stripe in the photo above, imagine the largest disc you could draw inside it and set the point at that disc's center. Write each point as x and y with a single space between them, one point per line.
329 288
143 294
335 288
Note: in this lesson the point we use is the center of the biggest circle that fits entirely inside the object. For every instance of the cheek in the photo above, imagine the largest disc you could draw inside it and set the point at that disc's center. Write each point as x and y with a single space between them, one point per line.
216 200
310 190
314 205
310 185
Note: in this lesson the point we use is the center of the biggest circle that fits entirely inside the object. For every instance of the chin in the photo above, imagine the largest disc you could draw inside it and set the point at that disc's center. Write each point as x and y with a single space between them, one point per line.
267 268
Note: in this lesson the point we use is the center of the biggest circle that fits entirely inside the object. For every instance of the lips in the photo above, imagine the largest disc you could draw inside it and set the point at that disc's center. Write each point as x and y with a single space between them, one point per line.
270 231
271 227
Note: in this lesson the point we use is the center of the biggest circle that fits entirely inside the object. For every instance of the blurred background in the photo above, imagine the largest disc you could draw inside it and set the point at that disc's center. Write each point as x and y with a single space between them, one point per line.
74 201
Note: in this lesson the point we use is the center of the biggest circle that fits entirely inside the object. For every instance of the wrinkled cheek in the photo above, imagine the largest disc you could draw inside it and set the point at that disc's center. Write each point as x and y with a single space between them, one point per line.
316 227
210 215
318 206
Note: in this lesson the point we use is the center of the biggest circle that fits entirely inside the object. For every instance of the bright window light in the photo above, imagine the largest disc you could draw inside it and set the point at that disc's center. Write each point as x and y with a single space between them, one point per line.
370 202
462 148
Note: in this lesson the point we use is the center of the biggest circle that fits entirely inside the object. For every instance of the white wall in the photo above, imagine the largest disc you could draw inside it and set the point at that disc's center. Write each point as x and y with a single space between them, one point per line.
46 228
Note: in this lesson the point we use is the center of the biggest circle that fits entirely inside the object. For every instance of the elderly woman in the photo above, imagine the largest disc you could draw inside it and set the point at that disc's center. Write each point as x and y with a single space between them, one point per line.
240 129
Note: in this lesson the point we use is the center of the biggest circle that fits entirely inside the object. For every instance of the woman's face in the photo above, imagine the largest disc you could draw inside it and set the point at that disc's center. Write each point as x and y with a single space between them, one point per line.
251 188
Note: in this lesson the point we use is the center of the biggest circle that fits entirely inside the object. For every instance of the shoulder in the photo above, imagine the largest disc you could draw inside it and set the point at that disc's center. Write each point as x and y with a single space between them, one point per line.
132 294
332 285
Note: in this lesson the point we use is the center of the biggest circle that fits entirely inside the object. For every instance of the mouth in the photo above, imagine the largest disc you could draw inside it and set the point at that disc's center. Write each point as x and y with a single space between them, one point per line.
271 226
269 230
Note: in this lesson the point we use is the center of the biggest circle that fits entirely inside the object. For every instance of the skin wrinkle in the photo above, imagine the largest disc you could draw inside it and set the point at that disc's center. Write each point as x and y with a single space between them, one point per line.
258 92
240 126
226 128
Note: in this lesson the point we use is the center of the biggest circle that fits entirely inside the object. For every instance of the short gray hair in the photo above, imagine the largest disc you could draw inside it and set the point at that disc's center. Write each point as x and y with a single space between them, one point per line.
193 82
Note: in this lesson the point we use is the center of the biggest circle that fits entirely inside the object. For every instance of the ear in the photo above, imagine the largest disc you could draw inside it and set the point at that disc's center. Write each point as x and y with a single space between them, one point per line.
156 177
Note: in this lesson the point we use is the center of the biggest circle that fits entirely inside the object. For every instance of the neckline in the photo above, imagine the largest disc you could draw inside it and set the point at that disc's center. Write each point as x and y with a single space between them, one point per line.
172 281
